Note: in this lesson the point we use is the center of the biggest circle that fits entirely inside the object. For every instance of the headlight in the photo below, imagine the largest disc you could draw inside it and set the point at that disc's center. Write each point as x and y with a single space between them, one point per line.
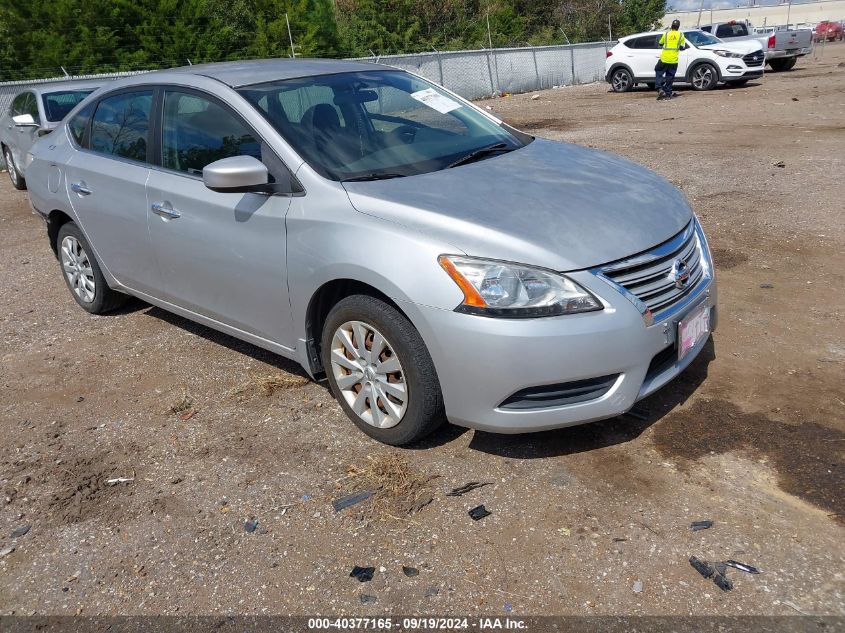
728 54
501 289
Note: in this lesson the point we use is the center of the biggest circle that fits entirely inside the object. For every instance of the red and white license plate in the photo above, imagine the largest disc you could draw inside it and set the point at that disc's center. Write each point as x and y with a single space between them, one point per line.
692 329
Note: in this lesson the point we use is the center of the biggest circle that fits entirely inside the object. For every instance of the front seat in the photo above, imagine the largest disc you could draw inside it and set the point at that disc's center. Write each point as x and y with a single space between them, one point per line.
330 139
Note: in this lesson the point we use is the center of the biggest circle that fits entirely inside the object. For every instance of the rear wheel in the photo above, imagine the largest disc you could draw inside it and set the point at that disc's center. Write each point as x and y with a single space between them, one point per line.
380 371
82 273
621 80
791 64
782 63
704 77
18 181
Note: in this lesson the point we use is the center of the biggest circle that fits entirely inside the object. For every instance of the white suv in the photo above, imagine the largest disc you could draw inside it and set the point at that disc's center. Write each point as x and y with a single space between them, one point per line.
705 62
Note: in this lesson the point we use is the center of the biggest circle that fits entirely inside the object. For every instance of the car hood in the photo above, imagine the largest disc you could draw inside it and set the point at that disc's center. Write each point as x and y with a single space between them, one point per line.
549 204
735 46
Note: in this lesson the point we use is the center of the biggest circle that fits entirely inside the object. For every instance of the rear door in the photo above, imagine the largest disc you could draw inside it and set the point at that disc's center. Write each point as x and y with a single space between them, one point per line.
646 55
222 255
106 183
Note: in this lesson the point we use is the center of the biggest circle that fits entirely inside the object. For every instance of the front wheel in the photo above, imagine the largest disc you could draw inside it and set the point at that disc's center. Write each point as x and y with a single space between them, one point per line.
18 181
380 371
704 77
621 80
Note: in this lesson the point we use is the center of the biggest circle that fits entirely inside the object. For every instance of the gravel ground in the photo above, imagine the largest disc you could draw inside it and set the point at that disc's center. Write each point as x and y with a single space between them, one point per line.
587 520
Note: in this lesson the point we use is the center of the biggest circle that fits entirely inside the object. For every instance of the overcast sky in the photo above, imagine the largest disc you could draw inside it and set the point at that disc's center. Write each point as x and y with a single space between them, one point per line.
689 5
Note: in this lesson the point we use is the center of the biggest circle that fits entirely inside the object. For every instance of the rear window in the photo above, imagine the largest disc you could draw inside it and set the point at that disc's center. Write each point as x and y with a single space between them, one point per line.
731 30
57 105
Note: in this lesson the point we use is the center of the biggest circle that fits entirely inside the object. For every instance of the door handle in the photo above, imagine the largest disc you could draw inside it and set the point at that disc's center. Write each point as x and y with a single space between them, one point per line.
165 212
81 189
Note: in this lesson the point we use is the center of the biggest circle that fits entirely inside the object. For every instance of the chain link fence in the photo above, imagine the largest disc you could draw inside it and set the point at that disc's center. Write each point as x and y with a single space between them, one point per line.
471 74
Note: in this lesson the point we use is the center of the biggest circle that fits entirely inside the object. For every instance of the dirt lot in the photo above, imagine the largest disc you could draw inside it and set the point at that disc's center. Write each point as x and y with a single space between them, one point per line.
752 436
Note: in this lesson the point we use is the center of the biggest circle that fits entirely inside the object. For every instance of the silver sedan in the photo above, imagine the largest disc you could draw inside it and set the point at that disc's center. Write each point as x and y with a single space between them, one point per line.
430 261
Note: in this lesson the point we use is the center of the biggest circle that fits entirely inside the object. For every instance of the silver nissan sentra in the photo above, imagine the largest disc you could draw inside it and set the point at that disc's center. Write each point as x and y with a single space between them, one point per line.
423 256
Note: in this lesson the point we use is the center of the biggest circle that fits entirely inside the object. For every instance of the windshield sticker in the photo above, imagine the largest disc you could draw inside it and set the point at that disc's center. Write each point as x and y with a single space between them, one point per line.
436 101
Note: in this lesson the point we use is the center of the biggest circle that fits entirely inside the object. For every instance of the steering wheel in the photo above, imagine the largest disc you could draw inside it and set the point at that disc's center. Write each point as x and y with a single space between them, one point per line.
406 133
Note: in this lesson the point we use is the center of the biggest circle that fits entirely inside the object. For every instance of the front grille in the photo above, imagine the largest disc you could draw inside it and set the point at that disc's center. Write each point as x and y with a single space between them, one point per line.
546 396
650 276
754 59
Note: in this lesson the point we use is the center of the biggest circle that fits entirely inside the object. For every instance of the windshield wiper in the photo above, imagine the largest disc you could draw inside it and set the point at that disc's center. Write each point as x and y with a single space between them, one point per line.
481 153
369 177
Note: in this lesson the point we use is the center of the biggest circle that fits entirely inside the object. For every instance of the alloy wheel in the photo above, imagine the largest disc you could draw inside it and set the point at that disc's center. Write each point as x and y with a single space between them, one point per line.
78 270
621 81
368 374
702 77
10 166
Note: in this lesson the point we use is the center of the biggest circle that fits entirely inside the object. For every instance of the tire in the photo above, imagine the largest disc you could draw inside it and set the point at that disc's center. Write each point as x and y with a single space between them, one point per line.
18 181
704 77
82 273
621 80
791 63
781 64
393 421
651 85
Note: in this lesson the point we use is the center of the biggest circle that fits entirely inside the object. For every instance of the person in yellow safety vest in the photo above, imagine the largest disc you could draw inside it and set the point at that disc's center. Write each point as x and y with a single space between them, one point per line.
672 42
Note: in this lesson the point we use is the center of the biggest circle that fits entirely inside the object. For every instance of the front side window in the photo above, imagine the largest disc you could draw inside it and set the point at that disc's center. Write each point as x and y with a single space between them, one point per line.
198 131
58 104
25 103
121 125
377 124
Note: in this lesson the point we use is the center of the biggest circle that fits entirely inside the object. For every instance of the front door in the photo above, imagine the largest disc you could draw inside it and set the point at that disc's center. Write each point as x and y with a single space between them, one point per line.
222 255
106 184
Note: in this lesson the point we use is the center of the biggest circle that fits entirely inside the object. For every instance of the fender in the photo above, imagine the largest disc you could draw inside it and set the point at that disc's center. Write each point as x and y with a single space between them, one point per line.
616 67
697 62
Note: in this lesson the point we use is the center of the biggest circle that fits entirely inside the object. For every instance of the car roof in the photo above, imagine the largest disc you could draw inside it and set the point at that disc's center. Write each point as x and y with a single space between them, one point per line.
57 86
244 73
644 34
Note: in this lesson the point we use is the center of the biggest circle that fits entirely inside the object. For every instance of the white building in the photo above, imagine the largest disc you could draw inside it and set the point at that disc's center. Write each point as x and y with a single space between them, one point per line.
804 14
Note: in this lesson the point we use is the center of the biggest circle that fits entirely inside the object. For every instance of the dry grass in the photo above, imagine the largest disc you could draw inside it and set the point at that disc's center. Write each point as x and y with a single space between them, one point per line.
268 384
400 488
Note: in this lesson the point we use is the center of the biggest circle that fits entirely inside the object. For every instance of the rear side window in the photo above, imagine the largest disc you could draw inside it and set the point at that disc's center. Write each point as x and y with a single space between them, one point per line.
121 125
647 41
198 131
731 30
706 29
79 124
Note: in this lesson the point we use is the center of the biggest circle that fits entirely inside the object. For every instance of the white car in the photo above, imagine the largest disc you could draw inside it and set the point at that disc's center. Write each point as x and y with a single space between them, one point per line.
704 62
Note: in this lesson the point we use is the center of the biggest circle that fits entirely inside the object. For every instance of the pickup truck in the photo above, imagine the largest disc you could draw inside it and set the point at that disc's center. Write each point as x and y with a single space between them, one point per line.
782 47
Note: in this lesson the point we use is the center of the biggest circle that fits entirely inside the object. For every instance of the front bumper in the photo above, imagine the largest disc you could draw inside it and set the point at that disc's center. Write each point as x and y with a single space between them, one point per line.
482 361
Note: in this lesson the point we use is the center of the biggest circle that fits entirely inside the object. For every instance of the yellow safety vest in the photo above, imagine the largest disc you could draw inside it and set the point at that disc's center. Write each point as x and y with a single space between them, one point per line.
671 43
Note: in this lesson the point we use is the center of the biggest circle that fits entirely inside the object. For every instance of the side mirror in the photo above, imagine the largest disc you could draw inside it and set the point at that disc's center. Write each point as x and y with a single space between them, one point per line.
238 174
24 120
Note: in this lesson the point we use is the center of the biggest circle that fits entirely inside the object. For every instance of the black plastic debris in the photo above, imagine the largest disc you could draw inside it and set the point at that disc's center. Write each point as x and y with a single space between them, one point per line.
366 599
723 582
21 531
479 513
702 567
250 526
748 569
342 503
363 574
468 487
410 572
767 286
695 526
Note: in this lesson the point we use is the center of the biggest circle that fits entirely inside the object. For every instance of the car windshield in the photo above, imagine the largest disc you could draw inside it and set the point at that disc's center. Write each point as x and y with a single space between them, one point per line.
58 104
378 124
699 38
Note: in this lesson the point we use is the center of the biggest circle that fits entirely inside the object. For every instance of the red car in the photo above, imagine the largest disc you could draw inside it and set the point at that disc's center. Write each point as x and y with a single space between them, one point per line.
829 31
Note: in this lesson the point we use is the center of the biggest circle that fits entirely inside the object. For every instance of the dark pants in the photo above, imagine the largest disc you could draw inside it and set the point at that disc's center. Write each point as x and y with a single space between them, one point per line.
664 76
